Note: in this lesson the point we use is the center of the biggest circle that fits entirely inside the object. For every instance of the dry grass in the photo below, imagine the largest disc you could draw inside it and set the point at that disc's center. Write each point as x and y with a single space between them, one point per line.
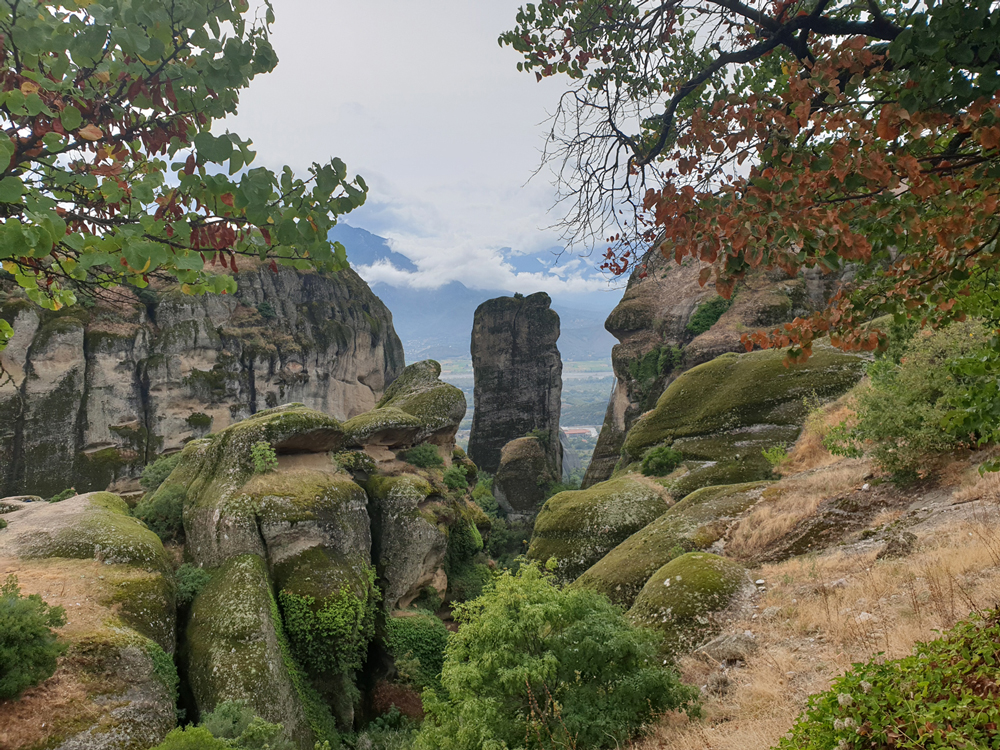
809 451
790 501
984 487
828 612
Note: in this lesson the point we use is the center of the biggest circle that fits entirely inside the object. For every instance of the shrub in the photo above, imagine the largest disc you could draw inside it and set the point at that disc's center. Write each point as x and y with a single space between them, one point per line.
775 455
941 696
267 311
64 495
423 456
191 738
418 642
155 473
542 436
263 456
707 315
28 647
199 419
455 478
355 461
3 524
661 461
902 413
534 660
190 581
466 576
482 495
163 513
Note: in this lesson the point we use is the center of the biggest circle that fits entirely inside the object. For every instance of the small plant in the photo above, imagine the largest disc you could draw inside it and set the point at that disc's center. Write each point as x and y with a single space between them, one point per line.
542 436
264 457
199 419
163 512
423 456
28 647
776 455
156 472
417 643
190 581
3 524
707 314
267 311
482 495
355 461
455 478
661 461
64 495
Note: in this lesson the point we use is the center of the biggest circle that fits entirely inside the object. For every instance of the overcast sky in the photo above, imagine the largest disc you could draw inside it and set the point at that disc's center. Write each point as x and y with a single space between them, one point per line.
418 97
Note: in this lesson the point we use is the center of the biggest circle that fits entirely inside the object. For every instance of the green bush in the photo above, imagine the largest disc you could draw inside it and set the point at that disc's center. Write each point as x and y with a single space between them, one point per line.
455 478
661 461
418 641
466 574
707 315
424 456
776 455
28 647
941 696
482 495
355 461
3 524
902 413
198 419
190 581
191 738
267 311
263 456
236 722
533 664
154 473
163 513
64 495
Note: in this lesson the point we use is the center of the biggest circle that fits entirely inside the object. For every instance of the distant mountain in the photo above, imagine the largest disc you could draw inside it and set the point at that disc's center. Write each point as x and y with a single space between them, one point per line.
437 323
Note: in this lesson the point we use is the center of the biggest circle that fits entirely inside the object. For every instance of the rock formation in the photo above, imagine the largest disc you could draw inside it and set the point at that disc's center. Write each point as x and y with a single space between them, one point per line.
518 378
667 323
115 688
521 480
96 392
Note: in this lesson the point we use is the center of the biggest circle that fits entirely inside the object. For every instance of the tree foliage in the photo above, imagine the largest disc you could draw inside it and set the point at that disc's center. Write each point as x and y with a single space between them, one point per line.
790 134
111 171
534 665
28 647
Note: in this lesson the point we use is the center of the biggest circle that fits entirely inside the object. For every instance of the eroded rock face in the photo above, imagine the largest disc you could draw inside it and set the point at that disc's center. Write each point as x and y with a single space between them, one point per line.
579 527
518 375
722 414
523 477
114 687
95 393
661 326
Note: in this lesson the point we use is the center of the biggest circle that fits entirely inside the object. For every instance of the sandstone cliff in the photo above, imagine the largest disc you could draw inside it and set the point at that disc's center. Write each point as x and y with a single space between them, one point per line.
95 392
518 375
667 323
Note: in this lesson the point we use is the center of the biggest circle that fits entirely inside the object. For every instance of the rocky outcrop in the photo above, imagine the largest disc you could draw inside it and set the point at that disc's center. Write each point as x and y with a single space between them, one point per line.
518 378
115 686
667 323
722 414
696 523
95 392
524 475
579 527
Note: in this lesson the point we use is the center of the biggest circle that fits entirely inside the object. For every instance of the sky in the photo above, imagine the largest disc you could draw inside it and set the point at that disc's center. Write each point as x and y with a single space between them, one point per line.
419 98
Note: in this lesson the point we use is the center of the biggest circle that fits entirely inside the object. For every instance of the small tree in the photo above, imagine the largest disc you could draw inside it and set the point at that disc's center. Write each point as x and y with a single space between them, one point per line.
534 665
28 647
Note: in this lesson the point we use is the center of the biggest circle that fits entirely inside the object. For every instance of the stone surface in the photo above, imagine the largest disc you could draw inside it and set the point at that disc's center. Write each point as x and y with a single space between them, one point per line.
656 343
729 648
95 393
518 378
113 688
722 414
898 544
579 527
695 523
684 598
522 478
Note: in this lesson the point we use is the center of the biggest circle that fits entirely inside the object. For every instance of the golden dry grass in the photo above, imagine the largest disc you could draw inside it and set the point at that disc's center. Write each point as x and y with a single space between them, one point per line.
831 611
809 451
790 501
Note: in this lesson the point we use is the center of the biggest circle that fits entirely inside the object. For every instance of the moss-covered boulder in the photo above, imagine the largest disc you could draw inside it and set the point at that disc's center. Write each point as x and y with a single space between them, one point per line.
115 686
237 650
418 407
579 527
409 541
684 597
723 413
695 523
524 475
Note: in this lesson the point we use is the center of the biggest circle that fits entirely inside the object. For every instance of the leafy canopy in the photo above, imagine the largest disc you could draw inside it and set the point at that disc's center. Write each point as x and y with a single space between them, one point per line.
110 171
789 134
534 665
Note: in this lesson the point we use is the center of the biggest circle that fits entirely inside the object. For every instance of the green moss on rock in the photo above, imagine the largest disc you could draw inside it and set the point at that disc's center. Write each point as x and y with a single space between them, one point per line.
579 527
695 523
683 597
385 426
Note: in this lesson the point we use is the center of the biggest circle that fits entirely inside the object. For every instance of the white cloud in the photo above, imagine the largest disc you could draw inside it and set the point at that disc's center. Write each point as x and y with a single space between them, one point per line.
420 99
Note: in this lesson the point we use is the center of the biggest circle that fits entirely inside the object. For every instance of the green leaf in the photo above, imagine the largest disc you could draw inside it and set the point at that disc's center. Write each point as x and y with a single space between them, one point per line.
71 118
11 189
